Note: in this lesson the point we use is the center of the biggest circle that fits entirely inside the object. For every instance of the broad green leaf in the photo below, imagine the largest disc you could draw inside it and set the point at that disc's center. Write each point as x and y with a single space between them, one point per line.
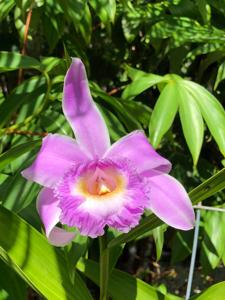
208 188
122 285
12 283
13 153
220 75
191 120
212 112
140 84
36 261
10 61
163 113
216 291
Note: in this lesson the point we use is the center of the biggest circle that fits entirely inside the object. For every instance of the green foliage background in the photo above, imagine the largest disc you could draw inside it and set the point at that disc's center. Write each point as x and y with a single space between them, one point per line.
153 65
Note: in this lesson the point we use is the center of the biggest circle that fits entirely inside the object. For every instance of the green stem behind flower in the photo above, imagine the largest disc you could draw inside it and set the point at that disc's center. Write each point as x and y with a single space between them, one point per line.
104 267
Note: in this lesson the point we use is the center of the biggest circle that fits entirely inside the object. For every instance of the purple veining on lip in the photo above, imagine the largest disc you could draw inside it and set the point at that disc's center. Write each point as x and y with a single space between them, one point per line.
88 184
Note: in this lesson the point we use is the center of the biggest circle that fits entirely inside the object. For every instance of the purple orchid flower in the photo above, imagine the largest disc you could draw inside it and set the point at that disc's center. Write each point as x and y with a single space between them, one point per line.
89 184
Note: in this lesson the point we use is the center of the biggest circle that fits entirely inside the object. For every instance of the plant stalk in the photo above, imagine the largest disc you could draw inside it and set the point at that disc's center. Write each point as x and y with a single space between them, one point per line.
104 267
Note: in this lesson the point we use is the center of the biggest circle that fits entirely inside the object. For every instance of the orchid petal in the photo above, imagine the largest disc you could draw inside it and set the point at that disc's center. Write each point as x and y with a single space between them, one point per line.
136 148
170 202
58 153
82 113
47 206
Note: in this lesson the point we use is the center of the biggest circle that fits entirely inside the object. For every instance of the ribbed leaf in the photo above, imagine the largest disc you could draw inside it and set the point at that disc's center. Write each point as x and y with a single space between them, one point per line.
163 113
191 120
36 261
212 112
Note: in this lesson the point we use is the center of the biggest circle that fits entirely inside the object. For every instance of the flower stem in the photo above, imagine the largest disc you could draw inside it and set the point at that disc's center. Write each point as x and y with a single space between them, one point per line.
104 267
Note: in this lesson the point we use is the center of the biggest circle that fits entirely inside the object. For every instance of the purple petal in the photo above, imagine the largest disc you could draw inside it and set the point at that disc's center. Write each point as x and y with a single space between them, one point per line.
82 113
56 156
47 206
135 147
170 202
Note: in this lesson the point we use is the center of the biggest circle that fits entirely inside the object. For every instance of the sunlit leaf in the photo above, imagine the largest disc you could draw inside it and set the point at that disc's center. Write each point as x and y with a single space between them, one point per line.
212 112
122 285
10 61
44 267
216 291
163 113
191 120
15 152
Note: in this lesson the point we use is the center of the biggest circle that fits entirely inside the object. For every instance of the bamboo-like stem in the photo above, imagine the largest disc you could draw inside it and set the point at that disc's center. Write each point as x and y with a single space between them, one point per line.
104 267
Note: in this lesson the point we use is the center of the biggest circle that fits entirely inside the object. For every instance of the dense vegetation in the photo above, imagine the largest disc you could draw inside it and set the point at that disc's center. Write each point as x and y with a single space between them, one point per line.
158 66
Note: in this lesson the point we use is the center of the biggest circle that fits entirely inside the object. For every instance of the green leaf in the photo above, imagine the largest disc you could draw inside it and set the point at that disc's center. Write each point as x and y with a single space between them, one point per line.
43 267
181 246
163 113
147 224
158 235
74 9
12 283
10 61
21 195
30 90
182 30
13 153
117 106
106 10
217 291
205 10
214 237
5 8
140 84
122 285
191 120
209 187
212 112
220 75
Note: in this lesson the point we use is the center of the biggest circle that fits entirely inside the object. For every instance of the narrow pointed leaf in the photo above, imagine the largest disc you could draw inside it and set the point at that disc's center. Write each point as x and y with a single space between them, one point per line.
212 112
15 152
141 84
191 120
163 113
